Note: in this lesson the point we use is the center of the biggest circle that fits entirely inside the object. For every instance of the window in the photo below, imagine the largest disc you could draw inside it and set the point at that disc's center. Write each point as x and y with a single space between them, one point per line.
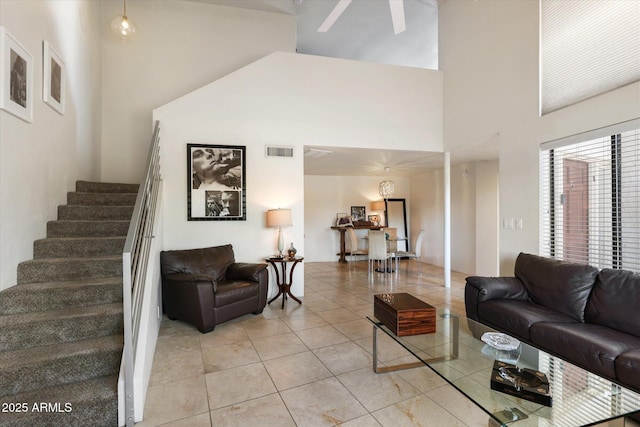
587 47
590 197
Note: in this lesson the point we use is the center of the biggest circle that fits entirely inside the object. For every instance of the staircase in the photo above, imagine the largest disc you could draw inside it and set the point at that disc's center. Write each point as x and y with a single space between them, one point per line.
61 326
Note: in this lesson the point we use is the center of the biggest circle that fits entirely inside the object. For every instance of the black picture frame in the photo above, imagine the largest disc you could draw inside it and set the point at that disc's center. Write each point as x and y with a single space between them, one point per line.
216 182
358 213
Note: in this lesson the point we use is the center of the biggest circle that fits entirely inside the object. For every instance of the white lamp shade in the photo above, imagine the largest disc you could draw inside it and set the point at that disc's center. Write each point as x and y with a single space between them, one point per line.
279 218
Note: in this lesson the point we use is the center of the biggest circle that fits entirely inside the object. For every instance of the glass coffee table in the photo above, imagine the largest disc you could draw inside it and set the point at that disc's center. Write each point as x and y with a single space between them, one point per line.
457 354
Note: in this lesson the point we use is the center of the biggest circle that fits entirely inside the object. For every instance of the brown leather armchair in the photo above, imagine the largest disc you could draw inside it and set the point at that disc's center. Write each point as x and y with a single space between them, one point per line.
205 287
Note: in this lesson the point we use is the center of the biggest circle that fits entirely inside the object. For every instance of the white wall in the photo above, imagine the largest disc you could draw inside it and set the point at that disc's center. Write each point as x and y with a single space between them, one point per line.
180 46
40 161
427 205
487 218
427 208
491 87
325 196
288 99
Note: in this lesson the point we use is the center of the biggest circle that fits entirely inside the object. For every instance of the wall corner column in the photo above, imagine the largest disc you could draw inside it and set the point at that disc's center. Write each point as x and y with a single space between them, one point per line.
447 219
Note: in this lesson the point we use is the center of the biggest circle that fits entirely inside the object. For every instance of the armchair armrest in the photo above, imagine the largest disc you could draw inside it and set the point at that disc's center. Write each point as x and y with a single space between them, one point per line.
190 297
191 280
255 272
479 289
245 271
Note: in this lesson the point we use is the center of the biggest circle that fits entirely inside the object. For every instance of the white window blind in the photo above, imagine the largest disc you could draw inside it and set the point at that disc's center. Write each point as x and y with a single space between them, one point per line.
590 198
587 47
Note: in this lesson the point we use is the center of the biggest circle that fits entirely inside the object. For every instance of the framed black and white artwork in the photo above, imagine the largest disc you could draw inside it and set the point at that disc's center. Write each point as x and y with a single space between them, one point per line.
16 77
216 185
53 78
358 213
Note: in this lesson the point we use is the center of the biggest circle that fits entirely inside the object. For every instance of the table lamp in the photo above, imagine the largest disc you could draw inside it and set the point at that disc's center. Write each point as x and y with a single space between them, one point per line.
279 218
379 206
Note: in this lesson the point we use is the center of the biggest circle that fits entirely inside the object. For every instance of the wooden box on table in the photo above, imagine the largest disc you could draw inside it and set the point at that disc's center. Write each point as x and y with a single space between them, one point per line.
404 314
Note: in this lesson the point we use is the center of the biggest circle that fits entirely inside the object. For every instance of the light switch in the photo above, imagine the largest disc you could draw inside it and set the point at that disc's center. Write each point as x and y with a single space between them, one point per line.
508 223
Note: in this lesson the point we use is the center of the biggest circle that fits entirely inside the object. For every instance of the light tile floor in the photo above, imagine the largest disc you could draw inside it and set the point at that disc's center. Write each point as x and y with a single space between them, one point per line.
306 365
309 364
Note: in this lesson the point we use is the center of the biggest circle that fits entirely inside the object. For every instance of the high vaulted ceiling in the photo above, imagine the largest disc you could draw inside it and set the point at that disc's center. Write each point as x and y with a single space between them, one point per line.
364 31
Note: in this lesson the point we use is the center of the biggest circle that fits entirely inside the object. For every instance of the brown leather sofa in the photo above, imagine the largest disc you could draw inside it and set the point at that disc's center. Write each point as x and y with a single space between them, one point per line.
205 287
586 316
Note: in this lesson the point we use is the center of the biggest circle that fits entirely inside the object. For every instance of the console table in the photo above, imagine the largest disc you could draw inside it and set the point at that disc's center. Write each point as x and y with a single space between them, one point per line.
343 230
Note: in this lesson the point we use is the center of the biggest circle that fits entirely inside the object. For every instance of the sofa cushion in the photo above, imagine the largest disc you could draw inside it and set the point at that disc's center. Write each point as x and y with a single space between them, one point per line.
628 368
560 285
593 347
515 317
614 301
212 261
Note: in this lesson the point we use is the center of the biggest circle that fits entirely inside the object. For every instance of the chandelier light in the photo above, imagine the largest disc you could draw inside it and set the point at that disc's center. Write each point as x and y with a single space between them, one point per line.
124 27
386 187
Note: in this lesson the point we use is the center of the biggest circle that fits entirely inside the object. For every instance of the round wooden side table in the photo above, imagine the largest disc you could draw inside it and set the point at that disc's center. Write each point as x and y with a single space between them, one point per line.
284 288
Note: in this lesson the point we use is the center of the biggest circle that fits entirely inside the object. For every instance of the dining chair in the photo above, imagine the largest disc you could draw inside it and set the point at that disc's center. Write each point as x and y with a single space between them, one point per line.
391 234
417 249
353 244
378 250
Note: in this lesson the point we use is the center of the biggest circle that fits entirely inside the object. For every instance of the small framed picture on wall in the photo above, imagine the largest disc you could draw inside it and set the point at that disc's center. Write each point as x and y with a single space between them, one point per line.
16 77
53 78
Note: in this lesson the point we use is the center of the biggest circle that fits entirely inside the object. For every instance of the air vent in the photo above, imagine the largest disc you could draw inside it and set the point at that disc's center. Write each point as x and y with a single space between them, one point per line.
279 151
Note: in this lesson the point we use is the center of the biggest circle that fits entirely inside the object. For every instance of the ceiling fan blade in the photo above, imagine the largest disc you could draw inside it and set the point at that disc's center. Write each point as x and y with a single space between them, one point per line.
334 15
397 15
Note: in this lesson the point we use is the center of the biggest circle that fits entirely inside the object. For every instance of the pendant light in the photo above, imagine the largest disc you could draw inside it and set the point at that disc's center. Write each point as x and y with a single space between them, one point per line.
124 27
387 187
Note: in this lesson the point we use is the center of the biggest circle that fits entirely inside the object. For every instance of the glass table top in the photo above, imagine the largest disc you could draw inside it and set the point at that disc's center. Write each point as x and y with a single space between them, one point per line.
457 353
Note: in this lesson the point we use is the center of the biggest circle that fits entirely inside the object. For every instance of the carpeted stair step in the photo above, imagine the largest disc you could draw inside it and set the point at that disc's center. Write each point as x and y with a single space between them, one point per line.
87 228
59 269
92 402
46 296
105 187
61 327
38 367
101 199
94 213
26 330
70 247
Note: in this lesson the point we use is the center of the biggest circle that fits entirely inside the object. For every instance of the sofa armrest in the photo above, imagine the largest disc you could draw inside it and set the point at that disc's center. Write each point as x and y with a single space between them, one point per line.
479 289
245 271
